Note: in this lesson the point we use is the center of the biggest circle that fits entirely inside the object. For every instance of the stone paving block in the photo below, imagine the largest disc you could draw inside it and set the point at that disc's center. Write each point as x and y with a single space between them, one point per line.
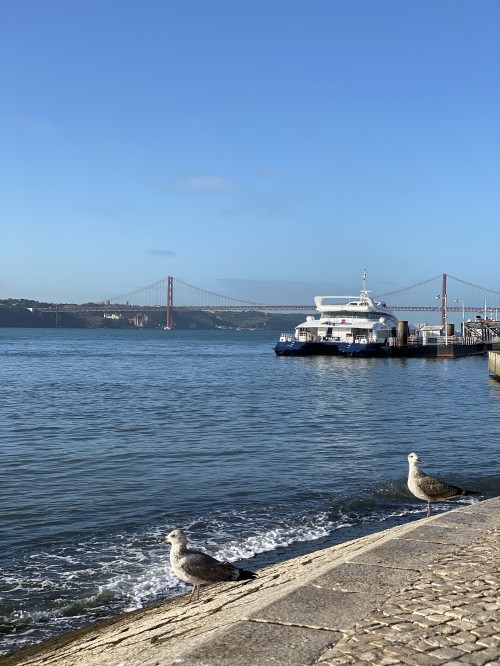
490 508
371 656
463 625
407 656
350 577
448 630
446 653
493 629
481 658
464 637
260 644
403 554
469 647
489 641
315 607
442 534
462 520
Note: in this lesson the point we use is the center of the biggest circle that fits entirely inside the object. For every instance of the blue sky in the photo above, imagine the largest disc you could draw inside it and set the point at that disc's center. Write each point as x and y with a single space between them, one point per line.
268 150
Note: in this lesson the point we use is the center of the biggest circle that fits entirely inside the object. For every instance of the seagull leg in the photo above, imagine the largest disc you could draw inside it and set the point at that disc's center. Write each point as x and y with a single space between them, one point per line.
428 509
195 594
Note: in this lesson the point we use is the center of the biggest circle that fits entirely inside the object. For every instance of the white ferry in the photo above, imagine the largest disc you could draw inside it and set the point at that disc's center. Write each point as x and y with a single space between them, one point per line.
360 327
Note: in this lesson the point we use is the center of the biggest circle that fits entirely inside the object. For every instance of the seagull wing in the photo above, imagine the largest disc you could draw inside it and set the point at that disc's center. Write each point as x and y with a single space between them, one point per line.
206 568
435 489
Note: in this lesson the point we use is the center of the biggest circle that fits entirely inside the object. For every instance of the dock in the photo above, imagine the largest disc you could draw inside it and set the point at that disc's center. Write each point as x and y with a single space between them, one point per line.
450 350
479 337
424 593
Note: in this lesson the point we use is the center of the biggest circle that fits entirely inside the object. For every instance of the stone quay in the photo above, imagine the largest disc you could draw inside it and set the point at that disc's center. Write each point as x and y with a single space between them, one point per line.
423 594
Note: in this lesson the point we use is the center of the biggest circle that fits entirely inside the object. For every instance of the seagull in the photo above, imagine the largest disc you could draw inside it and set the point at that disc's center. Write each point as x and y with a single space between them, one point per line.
197 568
429 488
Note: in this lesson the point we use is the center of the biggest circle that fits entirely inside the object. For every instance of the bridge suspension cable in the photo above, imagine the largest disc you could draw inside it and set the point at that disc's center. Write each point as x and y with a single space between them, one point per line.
413 286
159 287
206 292
469 284
427 295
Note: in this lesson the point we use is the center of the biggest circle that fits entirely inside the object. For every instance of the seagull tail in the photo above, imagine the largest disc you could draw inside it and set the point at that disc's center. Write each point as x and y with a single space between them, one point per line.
471 492
244 574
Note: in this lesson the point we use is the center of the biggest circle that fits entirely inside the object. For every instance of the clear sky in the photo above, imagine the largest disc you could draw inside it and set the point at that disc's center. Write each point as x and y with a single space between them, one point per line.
264 149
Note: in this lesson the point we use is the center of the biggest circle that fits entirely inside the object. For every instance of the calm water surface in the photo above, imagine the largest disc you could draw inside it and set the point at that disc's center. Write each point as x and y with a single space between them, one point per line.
110 439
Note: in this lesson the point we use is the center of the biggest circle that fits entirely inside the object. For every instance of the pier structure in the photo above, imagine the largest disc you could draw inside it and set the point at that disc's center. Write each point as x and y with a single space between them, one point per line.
476 341
423 594
482 330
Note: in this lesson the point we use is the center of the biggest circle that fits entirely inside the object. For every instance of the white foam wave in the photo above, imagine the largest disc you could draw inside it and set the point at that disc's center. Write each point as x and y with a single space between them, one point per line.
273 539
151 577
124 572
135 590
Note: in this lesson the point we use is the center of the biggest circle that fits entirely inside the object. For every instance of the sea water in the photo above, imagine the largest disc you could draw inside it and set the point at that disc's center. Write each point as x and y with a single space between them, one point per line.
112 438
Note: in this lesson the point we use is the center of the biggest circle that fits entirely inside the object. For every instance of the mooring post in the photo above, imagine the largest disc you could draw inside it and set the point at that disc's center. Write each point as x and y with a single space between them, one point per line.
402 333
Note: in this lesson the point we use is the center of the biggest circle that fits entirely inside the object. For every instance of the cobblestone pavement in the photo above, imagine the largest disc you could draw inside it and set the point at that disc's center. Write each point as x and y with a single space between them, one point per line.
449 616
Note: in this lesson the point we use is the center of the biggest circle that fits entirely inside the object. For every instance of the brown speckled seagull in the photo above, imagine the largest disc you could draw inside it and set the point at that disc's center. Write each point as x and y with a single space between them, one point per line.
429 488
197 568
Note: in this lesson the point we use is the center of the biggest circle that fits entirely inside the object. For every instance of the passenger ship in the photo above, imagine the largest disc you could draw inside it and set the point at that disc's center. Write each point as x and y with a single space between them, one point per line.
360 327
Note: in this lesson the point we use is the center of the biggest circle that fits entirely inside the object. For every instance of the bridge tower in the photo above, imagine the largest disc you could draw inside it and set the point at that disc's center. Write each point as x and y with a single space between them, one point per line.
170 302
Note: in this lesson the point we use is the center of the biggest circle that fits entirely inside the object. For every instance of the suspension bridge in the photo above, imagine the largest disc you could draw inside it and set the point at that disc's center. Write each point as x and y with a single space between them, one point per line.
443 293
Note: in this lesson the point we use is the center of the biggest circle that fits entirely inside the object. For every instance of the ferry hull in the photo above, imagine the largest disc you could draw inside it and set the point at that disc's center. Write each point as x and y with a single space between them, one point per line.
368 350
381 351
296 348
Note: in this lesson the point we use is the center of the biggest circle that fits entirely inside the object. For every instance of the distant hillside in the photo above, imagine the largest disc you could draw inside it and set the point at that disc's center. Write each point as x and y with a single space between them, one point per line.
23 313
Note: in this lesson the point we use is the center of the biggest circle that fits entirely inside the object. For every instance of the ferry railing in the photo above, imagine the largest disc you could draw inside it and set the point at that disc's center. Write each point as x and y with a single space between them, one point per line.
287 337
419 341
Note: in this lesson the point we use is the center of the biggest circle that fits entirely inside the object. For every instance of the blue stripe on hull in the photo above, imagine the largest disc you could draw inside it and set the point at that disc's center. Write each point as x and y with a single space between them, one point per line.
295 348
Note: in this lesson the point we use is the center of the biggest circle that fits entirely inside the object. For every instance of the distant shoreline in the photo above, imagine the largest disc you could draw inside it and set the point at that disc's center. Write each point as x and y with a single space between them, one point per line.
24 313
